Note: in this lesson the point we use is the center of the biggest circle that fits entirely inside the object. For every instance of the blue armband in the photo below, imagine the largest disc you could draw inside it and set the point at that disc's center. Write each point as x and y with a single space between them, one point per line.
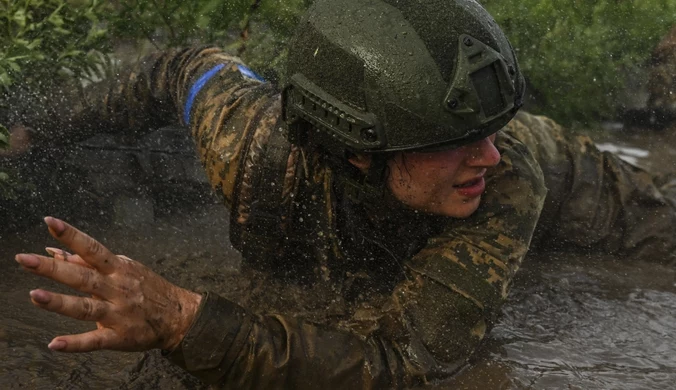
196 88
249 74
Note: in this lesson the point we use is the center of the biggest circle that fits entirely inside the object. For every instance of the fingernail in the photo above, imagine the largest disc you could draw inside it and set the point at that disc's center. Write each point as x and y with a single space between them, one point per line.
55 224
52 251
57 345
40 296
57 253
28 261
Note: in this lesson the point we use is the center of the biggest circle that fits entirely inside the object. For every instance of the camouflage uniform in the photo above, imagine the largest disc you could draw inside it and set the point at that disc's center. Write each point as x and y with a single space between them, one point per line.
428 288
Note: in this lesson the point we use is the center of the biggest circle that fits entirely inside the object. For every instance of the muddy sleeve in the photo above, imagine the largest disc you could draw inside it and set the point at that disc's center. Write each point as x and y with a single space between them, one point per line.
596 201
428 328
214 94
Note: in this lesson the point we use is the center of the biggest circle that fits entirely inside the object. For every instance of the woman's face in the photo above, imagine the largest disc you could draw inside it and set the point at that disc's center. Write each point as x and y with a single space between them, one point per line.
448 182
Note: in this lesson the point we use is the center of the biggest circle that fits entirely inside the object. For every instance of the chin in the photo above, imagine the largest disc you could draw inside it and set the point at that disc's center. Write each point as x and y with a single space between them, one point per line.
461 210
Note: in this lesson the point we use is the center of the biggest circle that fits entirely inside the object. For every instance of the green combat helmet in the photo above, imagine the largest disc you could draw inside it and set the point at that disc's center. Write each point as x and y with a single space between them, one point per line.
375 76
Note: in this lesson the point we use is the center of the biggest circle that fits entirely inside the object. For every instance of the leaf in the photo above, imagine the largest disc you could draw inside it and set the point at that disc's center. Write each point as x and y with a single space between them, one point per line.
5 80
19 18
34 44
14 66
56 20
4 137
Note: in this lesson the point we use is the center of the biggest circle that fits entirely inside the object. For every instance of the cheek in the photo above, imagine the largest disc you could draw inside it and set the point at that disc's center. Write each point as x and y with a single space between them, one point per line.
415 184
428 186
429 173
402 180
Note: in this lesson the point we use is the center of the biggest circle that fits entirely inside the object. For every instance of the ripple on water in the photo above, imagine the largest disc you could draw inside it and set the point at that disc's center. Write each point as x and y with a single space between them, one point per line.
591 326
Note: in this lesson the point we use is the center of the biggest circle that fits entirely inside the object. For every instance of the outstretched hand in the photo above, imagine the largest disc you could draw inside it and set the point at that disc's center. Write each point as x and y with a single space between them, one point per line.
134 308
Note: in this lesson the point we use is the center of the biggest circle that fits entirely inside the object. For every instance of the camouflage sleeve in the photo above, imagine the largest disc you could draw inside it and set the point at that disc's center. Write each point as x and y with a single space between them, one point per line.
426 330
214 94
596 200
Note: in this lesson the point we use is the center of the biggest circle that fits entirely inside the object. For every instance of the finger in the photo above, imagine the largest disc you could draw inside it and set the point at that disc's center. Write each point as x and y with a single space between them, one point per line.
103 338
90 250
80 308
62 255
80 278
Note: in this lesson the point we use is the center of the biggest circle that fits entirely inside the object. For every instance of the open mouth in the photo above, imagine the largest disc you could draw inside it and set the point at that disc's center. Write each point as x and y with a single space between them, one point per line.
470 183
471 188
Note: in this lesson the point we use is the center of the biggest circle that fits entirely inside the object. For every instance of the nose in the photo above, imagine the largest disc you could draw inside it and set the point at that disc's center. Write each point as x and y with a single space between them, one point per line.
483 153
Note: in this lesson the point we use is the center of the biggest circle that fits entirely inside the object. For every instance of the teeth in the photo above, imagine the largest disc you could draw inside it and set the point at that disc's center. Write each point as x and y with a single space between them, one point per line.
468 184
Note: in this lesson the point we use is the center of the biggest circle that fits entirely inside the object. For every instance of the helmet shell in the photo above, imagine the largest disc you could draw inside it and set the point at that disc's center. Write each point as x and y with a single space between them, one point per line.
389 75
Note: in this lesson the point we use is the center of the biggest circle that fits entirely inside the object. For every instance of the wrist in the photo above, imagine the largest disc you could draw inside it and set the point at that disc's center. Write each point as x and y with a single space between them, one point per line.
188 306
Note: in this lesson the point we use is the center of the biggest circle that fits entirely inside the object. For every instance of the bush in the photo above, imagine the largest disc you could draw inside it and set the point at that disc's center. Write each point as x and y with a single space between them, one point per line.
46 41
576 54
256 30
4 177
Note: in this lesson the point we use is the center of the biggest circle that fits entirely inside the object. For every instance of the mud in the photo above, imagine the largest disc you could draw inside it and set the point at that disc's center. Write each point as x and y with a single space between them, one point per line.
571 321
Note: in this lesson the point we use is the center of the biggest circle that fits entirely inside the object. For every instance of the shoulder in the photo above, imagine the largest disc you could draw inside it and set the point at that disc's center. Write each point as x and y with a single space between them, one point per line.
525 126
516 187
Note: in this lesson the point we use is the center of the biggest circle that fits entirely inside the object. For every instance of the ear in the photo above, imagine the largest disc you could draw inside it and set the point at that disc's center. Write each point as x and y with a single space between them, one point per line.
361 161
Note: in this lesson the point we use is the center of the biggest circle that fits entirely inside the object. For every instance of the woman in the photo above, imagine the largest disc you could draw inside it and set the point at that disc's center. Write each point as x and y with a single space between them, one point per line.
380 174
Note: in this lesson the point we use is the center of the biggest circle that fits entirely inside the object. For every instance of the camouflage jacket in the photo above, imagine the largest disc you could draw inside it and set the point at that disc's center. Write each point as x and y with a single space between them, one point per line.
428 288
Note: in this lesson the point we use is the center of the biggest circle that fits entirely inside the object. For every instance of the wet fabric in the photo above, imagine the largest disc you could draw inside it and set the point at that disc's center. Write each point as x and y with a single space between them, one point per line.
420 292
596 201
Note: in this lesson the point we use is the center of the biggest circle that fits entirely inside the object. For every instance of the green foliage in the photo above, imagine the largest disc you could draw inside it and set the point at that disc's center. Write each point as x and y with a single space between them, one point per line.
576 53
4 178
4 137
45 40
176 22
44 44
256 30
273 24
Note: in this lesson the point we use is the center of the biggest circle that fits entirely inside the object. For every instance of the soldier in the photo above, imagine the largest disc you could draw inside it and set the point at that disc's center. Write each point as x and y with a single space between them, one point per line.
391 170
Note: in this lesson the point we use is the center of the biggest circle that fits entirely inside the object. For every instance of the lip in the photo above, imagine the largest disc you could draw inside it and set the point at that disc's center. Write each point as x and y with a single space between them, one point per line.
476 188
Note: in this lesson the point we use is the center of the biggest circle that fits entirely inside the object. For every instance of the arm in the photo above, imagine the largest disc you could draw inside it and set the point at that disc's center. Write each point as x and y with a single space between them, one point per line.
223 114
150 94
596 200
431 324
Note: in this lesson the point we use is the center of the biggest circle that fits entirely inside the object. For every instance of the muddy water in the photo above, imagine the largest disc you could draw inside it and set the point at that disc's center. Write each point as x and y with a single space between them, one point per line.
571 321
586 323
